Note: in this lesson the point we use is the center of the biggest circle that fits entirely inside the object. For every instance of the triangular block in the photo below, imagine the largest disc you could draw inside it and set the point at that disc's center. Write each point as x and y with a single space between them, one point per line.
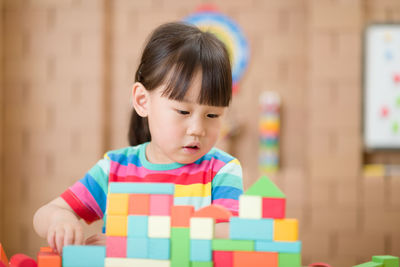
214 211
266 188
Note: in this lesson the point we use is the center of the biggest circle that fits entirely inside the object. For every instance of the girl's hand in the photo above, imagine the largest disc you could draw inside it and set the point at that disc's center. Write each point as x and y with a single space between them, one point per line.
96 240
64 233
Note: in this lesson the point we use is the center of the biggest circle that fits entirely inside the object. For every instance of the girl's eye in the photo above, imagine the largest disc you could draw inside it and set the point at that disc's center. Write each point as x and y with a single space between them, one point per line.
212 116
183 112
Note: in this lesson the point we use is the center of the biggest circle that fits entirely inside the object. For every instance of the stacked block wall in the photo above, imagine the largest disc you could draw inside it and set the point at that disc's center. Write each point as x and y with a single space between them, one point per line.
54 97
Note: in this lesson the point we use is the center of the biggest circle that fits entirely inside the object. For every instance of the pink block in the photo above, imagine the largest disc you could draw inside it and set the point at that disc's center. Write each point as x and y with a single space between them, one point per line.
273 207
161 204
116 246
222 258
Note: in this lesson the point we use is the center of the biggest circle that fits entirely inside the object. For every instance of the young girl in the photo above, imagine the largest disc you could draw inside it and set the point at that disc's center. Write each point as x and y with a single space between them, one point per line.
182 88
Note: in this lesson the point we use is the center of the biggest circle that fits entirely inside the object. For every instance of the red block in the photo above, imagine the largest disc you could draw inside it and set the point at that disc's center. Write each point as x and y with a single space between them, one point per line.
180 216
273 207
3 264
48 258
21 260
116 246
139 204
161 204
223 258
255 259
3 256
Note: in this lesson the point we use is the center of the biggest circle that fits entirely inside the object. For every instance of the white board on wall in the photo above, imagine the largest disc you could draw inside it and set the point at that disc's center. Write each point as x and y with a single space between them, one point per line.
382 86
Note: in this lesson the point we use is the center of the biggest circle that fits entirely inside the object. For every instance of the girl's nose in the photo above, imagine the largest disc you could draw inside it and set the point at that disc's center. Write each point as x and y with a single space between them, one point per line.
196 128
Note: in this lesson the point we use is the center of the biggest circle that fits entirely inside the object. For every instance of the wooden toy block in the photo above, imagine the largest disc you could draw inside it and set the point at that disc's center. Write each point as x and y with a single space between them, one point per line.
223 258
46 249
137 226
129 262
48 259
273 207
137 247
201 228
255 258
83 256
253 229
217 212
200 250
202 264
3 256
116 246
286 230
180 247
264 187
159 226
284 247
370 264
117 225
250 207
180 216
289 260
142 188
159 248
22 260
387 260
139 204
161 204
232 245
117 204
2 264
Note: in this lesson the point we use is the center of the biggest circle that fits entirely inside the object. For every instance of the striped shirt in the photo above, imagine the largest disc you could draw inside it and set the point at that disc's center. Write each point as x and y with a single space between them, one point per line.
215 178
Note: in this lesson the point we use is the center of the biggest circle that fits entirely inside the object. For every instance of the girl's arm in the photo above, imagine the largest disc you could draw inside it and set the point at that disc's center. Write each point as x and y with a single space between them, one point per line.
222 230
59 224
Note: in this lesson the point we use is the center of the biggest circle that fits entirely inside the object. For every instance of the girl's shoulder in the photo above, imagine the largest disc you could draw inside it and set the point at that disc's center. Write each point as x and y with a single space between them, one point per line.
124 153
218 154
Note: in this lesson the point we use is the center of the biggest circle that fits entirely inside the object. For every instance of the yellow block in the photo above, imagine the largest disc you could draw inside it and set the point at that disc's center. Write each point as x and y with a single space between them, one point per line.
117 204
286 230
117 225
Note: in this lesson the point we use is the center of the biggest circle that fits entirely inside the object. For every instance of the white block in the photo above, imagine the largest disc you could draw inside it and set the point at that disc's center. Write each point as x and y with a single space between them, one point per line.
250 207
129 262
201 228
159 226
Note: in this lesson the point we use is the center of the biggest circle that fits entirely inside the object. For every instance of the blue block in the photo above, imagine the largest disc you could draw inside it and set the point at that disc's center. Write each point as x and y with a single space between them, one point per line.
137 226
200 250
137 247
142 188
159 248
283 247
83 256
251 229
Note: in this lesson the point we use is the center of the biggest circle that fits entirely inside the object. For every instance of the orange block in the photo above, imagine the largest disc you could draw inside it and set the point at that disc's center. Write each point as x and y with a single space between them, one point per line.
217 212
139 204
48 259
46 249
3 256
255 259
180 216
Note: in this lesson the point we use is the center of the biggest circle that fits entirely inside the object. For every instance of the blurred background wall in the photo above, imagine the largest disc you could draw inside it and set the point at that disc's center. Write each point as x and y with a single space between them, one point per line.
66 72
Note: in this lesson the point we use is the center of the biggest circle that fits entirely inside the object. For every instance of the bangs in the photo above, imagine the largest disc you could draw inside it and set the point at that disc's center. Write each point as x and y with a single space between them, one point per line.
204 53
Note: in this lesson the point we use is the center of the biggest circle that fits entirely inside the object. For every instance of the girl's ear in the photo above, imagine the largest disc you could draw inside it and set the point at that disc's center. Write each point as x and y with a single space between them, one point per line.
140 99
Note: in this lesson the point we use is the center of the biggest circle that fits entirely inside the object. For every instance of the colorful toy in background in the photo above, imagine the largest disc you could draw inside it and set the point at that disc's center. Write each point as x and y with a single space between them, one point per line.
269 130
382 87
207 18
381 261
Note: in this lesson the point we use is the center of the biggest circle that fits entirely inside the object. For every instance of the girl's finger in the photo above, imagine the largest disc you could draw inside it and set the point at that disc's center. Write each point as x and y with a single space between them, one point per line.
78 236
59 239
68 236
50 239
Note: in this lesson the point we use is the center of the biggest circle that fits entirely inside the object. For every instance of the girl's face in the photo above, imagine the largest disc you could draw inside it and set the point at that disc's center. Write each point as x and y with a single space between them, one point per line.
181 131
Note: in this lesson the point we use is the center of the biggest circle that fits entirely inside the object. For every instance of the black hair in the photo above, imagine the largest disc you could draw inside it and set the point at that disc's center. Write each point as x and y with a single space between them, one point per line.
174 53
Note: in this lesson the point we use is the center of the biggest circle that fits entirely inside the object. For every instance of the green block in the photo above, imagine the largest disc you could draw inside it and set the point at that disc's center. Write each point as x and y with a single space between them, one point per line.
289 260
202 264
387 260
370 264
266 188
180 247
232 245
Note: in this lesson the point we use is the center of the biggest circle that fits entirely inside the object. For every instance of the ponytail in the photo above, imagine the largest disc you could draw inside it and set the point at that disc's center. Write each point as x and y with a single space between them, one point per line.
139 132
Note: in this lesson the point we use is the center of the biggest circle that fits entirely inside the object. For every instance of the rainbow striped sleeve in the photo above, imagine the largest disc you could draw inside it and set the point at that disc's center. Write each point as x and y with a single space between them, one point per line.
227 186
88 196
